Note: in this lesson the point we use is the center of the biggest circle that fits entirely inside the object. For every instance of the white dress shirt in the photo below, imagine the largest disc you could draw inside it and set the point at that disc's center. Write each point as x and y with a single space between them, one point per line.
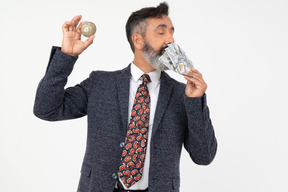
153 87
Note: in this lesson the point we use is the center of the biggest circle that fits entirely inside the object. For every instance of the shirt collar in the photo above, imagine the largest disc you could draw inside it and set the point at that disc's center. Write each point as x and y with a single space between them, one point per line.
137 73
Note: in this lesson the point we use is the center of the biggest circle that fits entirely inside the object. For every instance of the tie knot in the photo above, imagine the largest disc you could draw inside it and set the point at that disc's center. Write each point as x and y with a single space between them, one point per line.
146 78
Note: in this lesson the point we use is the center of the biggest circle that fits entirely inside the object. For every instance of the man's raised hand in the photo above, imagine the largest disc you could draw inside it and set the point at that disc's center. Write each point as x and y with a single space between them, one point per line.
196 86
71 43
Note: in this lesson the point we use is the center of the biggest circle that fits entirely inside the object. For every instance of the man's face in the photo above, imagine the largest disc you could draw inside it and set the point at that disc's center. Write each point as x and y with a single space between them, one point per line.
159 33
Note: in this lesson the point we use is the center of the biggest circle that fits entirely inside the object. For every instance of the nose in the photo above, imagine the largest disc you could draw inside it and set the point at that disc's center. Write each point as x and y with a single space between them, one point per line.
170 39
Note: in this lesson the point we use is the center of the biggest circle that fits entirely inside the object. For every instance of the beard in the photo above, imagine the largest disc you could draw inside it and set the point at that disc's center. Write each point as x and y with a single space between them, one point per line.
152 56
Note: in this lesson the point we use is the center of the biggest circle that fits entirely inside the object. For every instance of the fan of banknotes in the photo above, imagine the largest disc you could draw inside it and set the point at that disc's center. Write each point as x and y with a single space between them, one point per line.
176 60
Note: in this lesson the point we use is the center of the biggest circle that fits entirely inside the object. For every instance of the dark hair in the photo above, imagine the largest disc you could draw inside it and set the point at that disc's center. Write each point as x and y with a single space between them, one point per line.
136 23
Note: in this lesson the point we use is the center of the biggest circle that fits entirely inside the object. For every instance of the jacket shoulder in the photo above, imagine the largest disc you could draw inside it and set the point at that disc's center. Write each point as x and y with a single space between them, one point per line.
107 75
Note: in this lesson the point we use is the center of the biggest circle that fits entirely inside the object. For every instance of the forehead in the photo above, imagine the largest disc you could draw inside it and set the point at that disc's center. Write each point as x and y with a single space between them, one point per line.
154 23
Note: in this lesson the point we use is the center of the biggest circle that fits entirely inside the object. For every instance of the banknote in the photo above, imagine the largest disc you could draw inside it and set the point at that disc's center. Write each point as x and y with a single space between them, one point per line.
165 59
176 59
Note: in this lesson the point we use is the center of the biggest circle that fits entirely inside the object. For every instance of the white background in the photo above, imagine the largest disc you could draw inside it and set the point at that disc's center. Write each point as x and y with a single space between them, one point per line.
240 47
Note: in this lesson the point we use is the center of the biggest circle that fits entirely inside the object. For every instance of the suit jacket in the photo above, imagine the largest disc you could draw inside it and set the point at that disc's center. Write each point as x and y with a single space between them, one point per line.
103 97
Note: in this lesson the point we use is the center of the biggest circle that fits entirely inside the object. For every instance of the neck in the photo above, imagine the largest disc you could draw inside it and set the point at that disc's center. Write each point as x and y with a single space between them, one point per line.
142 63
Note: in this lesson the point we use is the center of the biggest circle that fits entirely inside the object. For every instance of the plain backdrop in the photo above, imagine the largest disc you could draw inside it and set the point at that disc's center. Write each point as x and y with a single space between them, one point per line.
240 47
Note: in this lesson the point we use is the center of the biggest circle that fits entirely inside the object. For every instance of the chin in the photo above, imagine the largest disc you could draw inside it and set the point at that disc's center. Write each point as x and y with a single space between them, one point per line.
159 65
155 62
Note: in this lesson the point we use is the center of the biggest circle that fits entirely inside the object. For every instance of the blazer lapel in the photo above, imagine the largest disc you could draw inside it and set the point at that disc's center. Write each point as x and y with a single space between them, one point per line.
123 85
164 95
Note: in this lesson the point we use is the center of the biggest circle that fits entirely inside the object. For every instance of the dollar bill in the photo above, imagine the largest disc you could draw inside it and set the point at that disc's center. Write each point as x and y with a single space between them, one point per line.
165 59
176 59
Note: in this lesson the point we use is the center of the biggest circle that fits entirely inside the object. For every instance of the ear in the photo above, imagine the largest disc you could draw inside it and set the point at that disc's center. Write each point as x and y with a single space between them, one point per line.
138 41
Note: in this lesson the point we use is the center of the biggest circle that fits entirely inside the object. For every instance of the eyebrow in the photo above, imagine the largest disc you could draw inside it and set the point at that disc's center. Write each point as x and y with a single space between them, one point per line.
165 26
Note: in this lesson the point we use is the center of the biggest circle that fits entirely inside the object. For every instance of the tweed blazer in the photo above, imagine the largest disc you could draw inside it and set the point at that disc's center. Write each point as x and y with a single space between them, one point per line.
104 98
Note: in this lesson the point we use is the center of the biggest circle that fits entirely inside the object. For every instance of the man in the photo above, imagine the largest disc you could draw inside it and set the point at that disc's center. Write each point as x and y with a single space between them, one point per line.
138 117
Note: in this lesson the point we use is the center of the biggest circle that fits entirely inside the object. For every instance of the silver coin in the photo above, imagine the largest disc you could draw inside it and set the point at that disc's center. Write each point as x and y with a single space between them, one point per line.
88 29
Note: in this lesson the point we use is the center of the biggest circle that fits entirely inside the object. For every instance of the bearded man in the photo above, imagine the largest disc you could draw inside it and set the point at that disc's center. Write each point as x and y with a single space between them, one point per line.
138 117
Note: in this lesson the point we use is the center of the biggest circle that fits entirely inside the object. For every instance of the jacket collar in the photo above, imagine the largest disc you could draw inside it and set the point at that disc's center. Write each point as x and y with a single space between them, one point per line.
123 85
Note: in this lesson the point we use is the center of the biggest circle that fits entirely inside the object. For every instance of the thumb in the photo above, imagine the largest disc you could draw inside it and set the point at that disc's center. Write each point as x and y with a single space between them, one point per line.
89 41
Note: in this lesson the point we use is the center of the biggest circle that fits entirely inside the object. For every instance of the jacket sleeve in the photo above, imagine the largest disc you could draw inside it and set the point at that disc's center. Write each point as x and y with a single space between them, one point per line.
52 101
200 140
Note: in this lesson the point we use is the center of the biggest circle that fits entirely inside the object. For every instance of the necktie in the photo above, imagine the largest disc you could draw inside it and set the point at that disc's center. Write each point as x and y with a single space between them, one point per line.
134 151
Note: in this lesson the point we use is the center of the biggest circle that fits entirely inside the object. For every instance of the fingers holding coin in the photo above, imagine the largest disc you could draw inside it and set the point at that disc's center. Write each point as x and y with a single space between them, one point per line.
86 28
78 30
71 25
76 20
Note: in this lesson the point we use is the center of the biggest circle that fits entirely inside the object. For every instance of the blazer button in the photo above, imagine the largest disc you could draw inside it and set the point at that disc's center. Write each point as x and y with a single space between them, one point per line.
122 144
114 175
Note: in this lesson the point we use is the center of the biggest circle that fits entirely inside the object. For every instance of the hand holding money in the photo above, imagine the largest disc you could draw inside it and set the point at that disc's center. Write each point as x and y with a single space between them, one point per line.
71 43
176 60
196 86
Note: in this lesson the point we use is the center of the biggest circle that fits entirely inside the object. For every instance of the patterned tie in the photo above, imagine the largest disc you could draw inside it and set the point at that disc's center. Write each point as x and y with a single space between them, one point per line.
134 151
